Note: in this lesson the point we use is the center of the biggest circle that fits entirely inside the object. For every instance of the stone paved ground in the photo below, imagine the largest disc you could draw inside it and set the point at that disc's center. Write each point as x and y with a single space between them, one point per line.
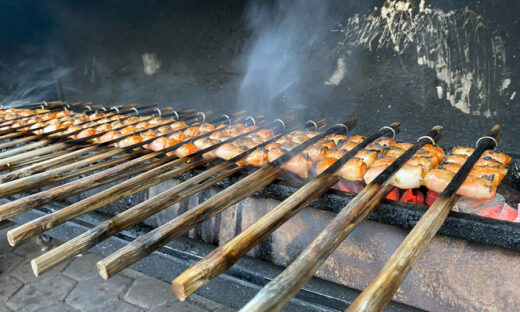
76 286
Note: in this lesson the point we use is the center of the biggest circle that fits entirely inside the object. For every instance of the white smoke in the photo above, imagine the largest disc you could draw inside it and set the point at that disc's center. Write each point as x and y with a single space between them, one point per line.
284 36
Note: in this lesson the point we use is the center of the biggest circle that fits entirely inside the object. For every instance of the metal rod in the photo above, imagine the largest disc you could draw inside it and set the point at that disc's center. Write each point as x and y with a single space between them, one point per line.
145 209
381 289
223 257
281 289
124 189
147 243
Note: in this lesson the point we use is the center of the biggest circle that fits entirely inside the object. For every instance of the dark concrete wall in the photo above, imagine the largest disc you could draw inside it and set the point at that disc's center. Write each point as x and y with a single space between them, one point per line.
93 50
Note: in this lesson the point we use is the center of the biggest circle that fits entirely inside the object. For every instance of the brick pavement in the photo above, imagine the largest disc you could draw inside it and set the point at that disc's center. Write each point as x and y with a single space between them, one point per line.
76 286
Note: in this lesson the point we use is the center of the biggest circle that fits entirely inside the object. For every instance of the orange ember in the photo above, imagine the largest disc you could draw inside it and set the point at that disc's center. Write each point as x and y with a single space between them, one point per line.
412 196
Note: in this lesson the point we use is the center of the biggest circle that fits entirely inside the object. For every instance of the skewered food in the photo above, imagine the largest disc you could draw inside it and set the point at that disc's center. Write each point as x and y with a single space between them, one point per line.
426 168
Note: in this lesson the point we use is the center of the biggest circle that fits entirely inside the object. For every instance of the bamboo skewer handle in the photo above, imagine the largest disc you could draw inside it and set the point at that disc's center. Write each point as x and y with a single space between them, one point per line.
5 156
33 161
286 285
280 290
51 195
47 198
381 289
122 190
12 136
39 179
122 221
140 212
147 243
29 202
45 164
223 257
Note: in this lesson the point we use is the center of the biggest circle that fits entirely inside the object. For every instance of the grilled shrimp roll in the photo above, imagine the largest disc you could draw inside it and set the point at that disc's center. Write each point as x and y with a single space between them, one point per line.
473 187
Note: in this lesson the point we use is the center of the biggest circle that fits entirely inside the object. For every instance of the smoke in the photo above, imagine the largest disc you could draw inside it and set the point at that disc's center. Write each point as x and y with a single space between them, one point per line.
32 80
284 38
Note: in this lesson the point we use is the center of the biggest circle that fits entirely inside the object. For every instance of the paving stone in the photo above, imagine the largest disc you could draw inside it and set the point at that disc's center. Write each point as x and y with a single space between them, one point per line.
4 308
80 269
120 306
9 261
41 294
28 248
60 307
4 244
133 274
8 286
186 306
89 257
24 272
92 294
177 306
75 286
146 292
207 304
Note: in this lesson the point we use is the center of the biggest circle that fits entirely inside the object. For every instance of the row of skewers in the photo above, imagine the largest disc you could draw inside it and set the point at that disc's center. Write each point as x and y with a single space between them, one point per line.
114 146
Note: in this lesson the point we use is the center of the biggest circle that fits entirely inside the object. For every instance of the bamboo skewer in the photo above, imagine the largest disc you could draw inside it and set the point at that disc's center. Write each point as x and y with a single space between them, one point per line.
281 289
31 151
116 224
140 212
42 178
25 173
14 129
138 183
18 141
381 289
146 244
43 165
37 136
9 122
223 257
122 190
36 160
156 238
35 200
7 156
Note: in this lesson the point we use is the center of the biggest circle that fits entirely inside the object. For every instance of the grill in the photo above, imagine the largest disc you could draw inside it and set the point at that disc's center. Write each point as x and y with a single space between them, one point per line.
111 154
165 189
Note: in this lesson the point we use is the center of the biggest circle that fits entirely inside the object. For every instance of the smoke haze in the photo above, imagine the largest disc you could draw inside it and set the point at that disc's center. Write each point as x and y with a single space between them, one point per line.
284 37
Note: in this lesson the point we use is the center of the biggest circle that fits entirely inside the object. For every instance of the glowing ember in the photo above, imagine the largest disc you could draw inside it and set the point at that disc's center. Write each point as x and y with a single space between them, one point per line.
395 194
502 212
412 196
431 196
